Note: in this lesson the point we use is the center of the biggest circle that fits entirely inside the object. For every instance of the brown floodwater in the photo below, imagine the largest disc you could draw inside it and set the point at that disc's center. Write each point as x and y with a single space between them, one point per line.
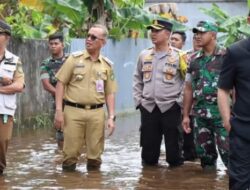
34 163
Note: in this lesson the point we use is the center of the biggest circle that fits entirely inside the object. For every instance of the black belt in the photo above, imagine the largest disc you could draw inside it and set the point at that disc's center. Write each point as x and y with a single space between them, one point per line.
87 107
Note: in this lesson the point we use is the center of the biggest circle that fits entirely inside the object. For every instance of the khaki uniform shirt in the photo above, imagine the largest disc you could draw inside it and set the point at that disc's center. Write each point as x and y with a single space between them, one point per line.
157 80
86 82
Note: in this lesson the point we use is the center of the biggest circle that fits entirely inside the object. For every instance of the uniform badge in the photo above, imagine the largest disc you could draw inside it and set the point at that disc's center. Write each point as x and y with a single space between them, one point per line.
112 75
148 58
147 75
99 85
147 67
79 77
169 74
171 59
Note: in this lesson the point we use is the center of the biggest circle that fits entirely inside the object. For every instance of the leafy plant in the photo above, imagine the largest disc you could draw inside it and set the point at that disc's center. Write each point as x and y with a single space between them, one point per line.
232 28
69 14
29 23
123 18
43 120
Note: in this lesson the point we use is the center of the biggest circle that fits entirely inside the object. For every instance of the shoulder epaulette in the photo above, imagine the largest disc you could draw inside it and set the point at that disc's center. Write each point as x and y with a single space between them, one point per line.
66 55
11 57
77 53
108 61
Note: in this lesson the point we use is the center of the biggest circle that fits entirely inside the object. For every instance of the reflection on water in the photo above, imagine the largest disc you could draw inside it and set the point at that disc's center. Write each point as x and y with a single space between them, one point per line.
32 164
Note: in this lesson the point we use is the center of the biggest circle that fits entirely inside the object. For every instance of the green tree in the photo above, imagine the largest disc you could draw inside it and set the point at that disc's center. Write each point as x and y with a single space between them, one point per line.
232 28
122 17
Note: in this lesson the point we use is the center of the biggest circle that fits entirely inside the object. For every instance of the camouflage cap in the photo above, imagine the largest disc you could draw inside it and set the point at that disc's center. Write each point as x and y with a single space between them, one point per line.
205 26
5 28
161 24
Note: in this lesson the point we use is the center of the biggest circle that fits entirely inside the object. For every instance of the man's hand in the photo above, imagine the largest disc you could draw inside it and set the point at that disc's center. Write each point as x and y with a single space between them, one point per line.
58 120
227 125
111 126
5 81
186 124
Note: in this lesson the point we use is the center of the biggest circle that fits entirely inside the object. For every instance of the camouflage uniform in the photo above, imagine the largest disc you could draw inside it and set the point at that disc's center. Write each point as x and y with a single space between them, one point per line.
208 129
48 70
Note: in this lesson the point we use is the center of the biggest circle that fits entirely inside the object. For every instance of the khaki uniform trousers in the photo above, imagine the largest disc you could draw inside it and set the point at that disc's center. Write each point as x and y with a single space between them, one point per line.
5 136
83 127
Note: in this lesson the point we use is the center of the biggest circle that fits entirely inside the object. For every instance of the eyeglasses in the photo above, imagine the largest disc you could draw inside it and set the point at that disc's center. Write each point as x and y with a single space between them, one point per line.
93 37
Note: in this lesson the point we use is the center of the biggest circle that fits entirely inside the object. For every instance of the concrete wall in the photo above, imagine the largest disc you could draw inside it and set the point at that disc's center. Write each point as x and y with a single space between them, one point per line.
34 100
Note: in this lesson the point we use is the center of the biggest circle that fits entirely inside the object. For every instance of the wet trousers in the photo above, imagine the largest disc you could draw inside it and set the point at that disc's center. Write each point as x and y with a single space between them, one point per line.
209 133
83 127
188 148
5 136
239 158
155 125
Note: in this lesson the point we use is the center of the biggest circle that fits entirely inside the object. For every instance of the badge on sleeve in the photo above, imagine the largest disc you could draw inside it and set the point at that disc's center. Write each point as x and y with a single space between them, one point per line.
112 75
99 85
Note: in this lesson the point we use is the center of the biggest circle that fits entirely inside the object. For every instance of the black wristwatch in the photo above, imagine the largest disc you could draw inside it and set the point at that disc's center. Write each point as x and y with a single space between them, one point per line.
113 117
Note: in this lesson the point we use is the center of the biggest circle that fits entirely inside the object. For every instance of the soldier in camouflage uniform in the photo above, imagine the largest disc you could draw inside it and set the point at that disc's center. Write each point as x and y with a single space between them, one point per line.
49 68
201 91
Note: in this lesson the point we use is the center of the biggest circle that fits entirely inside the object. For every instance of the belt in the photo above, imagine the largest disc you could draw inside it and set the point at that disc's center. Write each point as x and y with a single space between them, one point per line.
87 107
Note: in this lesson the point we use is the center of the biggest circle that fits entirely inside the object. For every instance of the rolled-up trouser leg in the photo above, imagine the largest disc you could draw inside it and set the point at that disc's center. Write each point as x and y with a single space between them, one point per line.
5 136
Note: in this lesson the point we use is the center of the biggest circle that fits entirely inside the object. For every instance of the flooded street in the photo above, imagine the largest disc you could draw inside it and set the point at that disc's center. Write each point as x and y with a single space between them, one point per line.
32 154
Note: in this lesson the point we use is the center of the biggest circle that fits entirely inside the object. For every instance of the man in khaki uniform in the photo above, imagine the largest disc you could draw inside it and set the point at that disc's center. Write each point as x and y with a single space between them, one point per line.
11 82
158 82
85 82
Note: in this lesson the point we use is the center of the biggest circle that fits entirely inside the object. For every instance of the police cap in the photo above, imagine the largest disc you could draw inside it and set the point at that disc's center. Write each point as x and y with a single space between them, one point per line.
161 24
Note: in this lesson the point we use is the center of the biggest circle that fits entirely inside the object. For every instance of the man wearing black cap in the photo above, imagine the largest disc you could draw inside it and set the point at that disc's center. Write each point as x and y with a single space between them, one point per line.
11 82
201 93
235 75
157 90
49 68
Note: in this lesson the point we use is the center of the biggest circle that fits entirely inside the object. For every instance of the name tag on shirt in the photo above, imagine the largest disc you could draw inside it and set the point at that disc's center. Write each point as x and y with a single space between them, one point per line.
99 86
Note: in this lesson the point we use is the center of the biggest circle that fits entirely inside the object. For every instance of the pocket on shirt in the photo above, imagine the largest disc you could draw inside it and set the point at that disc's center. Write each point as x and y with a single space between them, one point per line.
79 73
8 71
169 74
147 72
10 101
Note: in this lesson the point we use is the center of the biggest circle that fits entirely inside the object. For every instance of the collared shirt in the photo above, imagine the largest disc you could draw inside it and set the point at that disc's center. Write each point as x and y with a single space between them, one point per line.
157 79
86 81
10 67
203 73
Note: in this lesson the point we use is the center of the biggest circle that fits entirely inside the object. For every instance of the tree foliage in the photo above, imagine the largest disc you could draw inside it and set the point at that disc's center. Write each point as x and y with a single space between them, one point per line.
122 17
233 28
